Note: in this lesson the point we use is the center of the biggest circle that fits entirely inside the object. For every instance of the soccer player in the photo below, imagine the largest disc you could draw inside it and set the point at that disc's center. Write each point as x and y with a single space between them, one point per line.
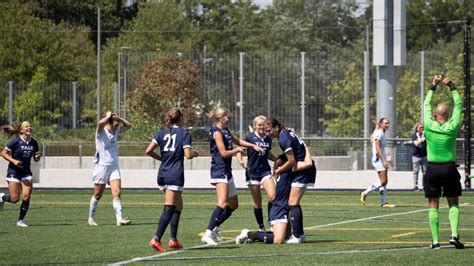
278 213
106 170
221 139
380 163
295 151
258 170
441 173
419 158
18 153
175 143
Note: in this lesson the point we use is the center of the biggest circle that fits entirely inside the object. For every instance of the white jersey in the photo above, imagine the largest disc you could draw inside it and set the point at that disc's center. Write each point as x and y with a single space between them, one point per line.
380 135
106 146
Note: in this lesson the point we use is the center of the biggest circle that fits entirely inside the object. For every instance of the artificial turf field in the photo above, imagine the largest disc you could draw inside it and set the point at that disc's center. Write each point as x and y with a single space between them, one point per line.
338 231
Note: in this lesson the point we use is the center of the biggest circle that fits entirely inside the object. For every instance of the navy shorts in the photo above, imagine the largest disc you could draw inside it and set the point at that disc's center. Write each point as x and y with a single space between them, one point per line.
279 210
442 178
304 178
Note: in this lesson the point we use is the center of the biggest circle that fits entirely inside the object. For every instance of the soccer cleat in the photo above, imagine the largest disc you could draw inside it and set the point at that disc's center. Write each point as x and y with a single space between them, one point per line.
20 223
205 239
434 246
362 198
386 205
293 240
216 235
91 222
2 202
123 222
175 244
242 237
156 245
456 242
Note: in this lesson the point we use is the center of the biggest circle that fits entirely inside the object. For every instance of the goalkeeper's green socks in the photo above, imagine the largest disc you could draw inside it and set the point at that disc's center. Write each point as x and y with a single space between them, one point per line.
454 219
433 218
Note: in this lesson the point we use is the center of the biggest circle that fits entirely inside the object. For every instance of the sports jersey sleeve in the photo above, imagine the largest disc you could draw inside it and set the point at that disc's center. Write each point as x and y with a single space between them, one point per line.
427 110
285 143
12 145
156 139
187 140
378 135
36 147
456 118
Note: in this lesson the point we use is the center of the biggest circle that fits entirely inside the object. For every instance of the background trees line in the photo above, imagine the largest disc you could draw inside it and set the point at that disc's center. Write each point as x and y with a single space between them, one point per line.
54 41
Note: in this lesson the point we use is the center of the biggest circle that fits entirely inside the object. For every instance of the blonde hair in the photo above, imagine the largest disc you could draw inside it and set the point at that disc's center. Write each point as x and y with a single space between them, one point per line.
14 129
377 126
218 113
260 117
415 127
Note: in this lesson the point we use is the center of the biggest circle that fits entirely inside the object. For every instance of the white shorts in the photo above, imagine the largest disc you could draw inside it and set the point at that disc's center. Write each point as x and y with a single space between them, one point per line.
302 185
232 188
378 166
279 221
103 174
16 180
171 187
256 182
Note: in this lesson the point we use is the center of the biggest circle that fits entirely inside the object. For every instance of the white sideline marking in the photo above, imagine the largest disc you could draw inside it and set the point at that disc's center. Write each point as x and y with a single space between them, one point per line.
306 253
310 253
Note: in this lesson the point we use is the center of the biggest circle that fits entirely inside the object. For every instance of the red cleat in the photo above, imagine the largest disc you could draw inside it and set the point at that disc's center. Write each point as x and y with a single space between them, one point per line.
156 245
175 244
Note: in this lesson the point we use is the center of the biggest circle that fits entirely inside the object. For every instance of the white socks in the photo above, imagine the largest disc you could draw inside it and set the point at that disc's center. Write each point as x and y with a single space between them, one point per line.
372 187
92 208
118 209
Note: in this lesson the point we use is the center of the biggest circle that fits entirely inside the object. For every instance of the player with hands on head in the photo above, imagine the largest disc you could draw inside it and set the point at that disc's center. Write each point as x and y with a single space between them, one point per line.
106 170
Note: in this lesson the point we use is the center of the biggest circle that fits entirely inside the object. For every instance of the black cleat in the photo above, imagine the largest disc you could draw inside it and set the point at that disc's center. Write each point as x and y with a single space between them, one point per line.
434 246
456 242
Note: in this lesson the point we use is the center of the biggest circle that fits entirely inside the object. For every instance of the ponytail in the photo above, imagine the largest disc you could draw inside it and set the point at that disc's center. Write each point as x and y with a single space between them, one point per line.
14 129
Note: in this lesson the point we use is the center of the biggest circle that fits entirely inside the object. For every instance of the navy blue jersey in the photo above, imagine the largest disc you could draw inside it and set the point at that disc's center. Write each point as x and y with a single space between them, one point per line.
257 162
419 151
220 167
172 145
290 142
23 151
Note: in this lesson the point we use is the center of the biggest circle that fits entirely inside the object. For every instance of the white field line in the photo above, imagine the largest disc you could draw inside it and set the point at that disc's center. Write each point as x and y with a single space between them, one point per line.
311 253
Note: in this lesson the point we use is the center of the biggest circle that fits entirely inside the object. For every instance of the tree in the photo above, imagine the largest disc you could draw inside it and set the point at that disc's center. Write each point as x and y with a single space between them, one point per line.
164 83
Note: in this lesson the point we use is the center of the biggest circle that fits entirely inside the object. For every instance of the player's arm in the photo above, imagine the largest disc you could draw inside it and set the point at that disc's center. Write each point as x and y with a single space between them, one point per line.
150 151
6 156
456 118
240 159
103 121
190 153
380 154
427 108
307 163
126 125
246 144
37 154
272 157
221 147
287 165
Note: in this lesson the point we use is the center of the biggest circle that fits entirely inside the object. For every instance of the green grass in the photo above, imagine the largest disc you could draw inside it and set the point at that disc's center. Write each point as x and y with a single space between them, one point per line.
58 232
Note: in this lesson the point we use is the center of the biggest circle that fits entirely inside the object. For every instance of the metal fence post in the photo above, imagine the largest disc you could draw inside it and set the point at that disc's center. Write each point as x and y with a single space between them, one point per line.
422 83
10 102
302 94
116 99
366 106
74 104
241 92
80 155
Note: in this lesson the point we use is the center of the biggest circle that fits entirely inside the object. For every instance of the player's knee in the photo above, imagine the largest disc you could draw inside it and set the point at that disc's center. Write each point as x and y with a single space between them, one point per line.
384 183
14 199
278 240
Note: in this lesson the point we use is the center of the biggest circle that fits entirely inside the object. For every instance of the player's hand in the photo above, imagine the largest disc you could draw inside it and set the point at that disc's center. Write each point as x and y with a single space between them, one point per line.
195 153
436 80
259 149
447 81
385 165
17 162
36 156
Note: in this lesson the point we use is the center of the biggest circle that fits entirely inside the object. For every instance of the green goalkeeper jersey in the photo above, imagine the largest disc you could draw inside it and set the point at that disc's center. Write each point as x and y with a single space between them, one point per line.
441 138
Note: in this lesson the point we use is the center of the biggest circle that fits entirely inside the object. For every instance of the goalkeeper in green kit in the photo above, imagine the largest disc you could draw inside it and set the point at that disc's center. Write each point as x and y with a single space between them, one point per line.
442 176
